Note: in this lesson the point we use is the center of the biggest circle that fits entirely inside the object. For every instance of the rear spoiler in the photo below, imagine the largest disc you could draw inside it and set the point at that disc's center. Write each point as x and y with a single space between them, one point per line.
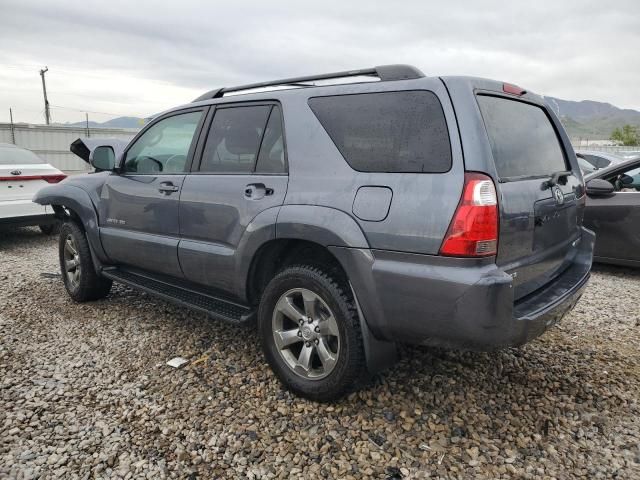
83 147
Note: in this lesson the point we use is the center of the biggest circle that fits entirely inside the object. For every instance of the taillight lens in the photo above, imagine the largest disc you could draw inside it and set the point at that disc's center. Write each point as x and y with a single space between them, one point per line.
55 178
474 229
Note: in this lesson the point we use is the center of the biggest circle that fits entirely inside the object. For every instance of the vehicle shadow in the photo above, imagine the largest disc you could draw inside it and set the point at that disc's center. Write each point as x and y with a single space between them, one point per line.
21 237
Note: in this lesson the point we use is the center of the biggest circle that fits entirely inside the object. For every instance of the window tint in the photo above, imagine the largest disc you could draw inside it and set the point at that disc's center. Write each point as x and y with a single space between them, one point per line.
523 141
18 156
387 132
271 157
164 147
234 139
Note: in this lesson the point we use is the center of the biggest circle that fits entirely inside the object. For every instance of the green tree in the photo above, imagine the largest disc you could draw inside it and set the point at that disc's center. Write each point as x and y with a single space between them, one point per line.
628 135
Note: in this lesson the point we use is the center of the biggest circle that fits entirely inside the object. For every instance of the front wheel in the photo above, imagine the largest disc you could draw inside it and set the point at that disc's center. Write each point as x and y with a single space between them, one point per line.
78 273
310 333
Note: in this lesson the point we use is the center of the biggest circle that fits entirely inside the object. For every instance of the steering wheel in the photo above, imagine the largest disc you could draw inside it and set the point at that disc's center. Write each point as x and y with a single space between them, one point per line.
175 163
155 160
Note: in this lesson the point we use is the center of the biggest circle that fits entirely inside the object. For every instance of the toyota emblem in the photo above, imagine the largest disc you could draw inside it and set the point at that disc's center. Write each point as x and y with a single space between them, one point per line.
558 195
16 172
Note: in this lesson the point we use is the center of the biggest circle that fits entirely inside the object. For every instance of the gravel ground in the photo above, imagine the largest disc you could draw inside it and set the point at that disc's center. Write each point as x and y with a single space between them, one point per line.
85 392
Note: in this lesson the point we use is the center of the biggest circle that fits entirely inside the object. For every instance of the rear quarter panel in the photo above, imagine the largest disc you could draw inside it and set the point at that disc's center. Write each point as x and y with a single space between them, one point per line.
422 205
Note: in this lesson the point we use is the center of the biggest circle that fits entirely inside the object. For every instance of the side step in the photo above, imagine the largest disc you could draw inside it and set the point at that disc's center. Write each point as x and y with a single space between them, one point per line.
216 307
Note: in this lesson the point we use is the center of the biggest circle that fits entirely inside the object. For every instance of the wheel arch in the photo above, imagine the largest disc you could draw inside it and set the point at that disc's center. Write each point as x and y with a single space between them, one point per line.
80 208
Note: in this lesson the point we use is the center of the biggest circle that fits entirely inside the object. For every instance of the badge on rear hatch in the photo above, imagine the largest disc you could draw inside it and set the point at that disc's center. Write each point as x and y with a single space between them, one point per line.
558 195
16 172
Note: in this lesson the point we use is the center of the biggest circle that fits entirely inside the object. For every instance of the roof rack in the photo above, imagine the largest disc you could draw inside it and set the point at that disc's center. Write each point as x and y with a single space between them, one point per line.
384 72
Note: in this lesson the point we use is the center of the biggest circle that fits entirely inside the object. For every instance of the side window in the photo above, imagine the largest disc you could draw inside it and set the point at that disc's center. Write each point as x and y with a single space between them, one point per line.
234 139
164 147
271 157
404 132
626 181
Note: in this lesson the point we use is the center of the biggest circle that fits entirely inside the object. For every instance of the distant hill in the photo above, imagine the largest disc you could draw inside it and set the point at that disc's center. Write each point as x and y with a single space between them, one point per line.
585 119
119 122
589 119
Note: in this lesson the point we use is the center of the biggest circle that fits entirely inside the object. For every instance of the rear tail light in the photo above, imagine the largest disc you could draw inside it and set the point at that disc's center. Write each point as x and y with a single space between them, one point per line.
55 178
474 229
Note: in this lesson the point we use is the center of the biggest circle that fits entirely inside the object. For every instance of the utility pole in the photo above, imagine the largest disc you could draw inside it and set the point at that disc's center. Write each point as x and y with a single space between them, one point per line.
47 115
13 133
86 116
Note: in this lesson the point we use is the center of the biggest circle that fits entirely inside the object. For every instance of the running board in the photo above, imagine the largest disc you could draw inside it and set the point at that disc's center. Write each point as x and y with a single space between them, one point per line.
216 307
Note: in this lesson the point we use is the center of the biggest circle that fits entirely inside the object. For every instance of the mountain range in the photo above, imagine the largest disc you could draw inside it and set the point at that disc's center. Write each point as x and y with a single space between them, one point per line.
590 119
586 119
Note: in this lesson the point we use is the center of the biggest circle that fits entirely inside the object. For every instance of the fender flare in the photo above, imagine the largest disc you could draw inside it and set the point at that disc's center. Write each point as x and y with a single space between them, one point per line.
327 226
78 200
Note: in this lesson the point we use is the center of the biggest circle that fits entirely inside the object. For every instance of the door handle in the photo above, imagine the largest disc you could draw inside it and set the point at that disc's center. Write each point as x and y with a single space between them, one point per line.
168 188
256 191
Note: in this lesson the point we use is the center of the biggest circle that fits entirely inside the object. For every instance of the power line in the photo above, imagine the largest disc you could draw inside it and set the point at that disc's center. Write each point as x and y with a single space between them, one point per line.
87 111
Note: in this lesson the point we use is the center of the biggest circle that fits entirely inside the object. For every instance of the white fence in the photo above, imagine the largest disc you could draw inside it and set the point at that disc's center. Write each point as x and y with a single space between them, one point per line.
616 149
52 143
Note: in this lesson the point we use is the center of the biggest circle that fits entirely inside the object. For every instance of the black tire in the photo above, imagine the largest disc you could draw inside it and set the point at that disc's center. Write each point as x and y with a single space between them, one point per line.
50 228
350 365
89 285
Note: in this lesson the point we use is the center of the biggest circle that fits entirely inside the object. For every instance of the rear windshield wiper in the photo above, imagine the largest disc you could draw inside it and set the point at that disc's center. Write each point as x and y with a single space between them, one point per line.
557 177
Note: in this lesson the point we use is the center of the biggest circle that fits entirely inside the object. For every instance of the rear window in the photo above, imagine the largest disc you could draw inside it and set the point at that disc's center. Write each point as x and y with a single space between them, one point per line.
387 132
523 141
18 156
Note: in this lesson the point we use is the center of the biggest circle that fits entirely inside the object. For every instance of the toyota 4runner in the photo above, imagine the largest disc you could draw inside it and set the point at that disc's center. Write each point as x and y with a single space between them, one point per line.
345 212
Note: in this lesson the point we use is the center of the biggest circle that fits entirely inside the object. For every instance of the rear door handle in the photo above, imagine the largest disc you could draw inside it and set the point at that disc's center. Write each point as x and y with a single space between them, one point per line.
256 191
168 188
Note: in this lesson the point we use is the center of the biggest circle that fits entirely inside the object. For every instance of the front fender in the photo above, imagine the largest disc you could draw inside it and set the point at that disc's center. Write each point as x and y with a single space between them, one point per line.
78 200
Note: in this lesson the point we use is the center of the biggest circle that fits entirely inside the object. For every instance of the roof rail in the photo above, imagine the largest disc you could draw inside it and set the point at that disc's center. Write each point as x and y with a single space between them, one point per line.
384 72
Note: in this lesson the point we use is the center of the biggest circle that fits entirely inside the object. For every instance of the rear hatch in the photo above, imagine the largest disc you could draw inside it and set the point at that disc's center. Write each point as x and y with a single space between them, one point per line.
540 190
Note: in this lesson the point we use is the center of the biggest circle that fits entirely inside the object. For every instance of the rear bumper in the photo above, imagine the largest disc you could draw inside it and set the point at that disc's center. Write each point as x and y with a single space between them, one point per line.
24 213
458 303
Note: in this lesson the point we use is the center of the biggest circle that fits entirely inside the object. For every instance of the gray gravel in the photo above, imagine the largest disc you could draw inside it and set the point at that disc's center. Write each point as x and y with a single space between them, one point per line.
85 392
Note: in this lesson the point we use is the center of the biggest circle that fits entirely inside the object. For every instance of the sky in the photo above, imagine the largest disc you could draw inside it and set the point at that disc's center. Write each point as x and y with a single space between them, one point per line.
137 58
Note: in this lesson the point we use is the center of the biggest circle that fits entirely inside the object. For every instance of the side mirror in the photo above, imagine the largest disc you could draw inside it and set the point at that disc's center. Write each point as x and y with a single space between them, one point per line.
103 158
599 187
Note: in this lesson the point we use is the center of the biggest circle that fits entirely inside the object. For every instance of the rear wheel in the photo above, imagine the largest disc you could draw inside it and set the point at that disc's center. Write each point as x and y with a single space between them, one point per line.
310 333
78 273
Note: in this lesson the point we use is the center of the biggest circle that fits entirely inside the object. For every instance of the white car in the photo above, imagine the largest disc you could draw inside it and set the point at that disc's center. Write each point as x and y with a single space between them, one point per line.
22 174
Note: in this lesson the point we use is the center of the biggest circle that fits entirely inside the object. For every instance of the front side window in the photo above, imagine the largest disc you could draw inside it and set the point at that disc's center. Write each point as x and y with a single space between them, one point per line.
164 147
626 181
234 139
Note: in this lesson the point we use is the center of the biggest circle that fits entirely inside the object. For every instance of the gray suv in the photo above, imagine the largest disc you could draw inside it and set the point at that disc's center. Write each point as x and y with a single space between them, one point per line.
345 213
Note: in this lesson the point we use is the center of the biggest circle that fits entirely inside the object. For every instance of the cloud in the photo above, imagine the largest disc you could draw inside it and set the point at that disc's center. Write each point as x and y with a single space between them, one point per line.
137 58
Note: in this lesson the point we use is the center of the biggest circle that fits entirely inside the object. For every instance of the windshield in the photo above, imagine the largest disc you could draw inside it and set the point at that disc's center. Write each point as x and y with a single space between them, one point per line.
18 156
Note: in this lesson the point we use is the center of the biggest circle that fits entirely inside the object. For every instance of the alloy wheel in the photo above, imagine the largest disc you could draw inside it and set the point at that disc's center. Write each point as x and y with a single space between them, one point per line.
306 333
72 267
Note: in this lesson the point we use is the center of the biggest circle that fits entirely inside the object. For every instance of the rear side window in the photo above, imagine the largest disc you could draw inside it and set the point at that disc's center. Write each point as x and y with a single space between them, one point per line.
403 132
271 156
522 139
